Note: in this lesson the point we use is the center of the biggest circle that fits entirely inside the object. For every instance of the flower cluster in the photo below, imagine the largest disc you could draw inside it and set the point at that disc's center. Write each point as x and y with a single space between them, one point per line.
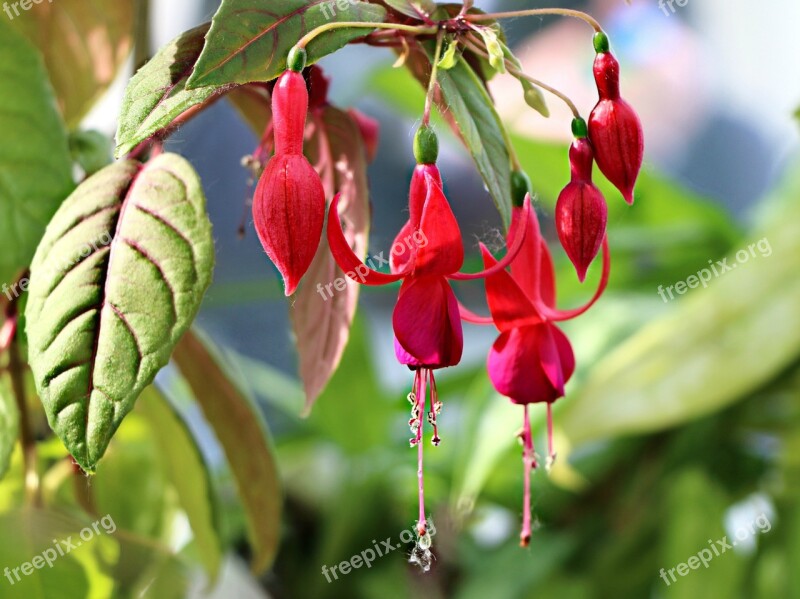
532 360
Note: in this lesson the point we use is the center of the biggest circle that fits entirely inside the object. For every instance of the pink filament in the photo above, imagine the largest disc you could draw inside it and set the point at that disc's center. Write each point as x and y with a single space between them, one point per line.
550 448
528 463
421 392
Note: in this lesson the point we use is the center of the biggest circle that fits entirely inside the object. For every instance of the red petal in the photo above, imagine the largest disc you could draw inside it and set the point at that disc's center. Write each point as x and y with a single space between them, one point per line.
509 305
427 324
515 366
616 134
440 249
581 217
347 260
525 267
418 190
289 210
511 254
469 316
402 248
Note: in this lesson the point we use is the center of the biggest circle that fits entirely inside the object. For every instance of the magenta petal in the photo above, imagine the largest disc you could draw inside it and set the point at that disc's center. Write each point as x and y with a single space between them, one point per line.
427 324
515 367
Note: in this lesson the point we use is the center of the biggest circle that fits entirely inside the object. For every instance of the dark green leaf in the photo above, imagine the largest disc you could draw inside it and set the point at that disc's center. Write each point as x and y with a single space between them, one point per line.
35 165
249 41
467 102
187 472
244 437
157 94
116 280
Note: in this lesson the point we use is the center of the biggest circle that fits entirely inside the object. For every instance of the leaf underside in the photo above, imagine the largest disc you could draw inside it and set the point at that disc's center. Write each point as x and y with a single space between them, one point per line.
116 280
157 94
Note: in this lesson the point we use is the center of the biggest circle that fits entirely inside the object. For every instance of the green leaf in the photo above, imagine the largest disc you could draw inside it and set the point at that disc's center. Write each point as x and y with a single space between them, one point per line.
187 471
117 279
714 347
413 8
9 425
35 165
157 94
467 105
244 437
84 44
249 41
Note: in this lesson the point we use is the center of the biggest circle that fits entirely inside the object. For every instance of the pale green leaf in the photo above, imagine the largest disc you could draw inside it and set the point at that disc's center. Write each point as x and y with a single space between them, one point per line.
116 280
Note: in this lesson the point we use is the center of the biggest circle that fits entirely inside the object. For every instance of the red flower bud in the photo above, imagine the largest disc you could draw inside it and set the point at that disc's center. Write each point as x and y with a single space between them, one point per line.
289 203
615 129
289 111
581 211
289 211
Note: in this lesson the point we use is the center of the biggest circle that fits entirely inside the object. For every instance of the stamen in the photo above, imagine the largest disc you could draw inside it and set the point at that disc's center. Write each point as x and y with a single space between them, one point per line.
421 393
436 408
528 463
421 553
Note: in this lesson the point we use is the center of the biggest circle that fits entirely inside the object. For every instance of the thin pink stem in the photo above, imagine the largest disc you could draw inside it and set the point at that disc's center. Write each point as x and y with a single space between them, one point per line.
528 464
550 445
421 392
557 315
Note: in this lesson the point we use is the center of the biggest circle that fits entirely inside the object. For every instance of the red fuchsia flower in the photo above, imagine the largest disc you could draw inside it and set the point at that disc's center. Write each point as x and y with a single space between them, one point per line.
289 202
531 360
581 211
426 318
614 127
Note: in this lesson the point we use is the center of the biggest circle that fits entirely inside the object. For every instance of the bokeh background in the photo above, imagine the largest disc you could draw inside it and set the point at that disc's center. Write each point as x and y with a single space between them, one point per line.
682 424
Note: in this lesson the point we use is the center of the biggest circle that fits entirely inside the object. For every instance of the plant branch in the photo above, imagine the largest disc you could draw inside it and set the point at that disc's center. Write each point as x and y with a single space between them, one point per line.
565 12
307 38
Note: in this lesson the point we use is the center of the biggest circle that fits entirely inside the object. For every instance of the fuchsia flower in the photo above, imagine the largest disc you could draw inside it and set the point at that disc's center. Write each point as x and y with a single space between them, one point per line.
581 211
531 360
289 202
614 127
426 319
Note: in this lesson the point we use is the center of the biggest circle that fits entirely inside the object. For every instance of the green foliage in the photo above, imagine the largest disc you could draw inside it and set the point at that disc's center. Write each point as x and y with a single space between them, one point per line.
9 425
157 94
116 280
243 436
241 50
35 169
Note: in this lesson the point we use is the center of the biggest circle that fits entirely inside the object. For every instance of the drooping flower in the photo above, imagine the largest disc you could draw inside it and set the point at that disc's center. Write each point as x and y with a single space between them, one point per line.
614 127
581 211
531 360
427 252
289 202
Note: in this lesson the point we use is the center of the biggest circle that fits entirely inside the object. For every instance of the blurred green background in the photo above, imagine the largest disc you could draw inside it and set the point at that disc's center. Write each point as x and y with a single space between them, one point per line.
680 428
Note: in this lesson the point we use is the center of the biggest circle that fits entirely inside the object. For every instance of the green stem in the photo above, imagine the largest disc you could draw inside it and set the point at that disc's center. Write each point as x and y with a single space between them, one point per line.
471 42
564 12
16 370
419 30
426 119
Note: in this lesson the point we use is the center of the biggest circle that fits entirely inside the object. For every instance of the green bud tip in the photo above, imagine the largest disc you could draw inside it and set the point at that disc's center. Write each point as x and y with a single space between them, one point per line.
520 187
601 43
579 128
297 59
426 146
